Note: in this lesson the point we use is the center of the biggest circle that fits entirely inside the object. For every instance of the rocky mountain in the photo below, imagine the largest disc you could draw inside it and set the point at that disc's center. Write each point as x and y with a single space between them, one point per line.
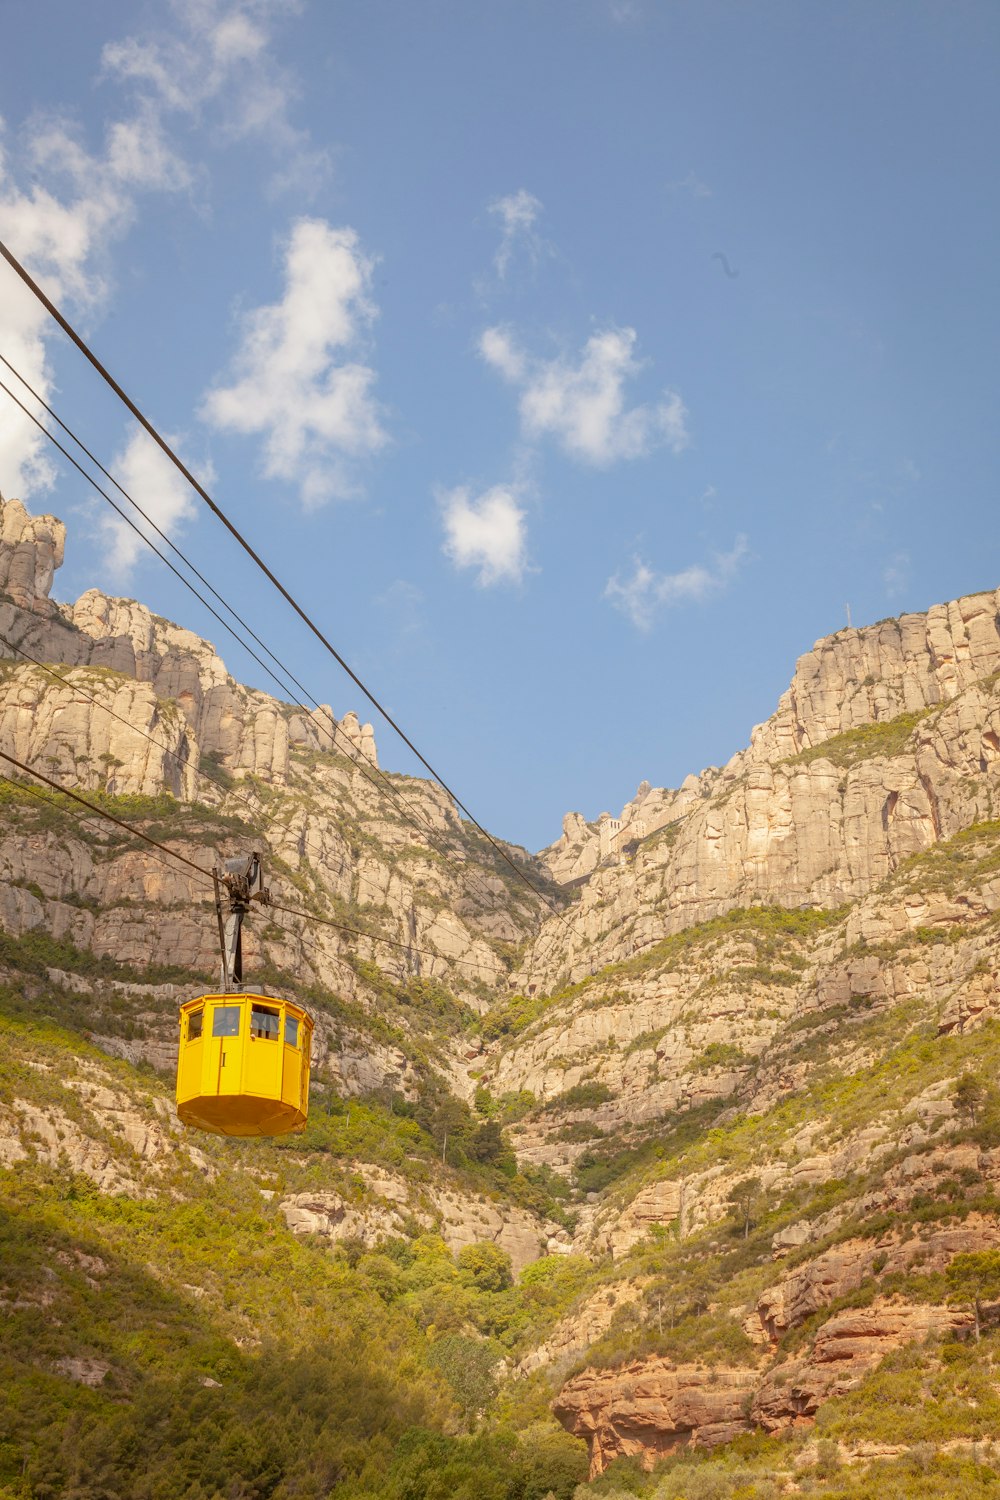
727 1113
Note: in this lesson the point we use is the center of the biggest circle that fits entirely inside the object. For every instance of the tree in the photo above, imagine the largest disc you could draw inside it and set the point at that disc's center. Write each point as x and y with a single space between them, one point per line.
968 1096
743 1199
485 1103
487 1144
974 1278
486 1267
470 1366
665 1299
490 1147
449 1125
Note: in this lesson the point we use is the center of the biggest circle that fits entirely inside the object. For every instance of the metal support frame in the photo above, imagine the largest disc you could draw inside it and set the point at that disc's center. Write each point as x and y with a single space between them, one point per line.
238 883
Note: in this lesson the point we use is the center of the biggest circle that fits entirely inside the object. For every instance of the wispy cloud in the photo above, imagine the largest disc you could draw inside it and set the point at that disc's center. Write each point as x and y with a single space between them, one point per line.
487 533
217 63
153 482
62 224
399 620
296 383
692 184
643 593
896 574
582 404
518 214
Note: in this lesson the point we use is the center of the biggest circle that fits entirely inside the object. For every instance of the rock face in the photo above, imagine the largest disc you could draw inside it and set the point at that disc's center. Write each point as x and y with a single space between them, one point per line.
124 1144
652 1408
394 1203
583 1327
781 822
119 701
31 548
848 1346
865 809
845 1268
195 708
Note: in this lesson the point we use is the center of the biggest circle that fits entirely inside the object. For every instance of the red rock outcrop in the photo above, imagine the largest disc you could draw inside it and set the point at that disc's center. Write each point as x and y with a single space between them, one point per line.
652 1407
844 1351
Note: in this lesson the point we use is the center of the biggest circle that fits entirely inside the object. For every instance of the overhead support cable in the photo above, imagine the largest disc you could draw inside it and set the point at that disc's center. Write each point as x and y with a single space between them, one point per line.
130 828
185 762
369 769
320 708
272 578
103 812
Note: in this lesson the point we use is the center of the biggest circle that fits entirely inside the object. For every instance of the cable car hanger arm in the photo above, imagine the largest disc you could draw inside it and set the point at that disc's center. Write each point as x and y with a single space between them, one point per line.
239 883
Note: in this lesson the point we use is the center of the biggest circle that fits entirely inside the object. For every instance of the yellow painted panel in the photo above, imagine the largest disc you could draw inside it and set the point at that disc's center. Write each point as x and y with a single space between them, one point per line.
241 1083
262 1067
291 1078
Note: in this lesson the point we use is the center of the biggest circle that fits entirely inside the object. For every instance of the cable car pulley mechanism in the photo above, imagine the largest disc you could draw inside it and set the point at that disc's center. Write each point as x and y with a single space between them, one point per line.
243 1058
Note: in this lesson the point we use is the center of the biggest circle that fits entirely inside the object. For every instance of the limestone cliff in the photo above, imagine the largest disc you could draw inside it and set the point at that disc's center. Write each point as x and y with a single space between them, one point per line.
133 705
887 740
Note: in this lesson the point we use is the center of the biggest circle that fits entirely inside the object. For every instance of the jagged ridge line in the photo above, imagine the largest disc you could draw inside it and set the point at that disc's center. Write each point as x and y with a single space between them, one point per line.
184 761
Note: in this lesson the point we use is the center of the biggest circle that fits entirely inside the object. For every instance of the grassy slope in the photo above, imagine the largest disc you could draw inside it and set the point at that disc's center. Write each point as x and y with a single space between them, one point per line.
231 1359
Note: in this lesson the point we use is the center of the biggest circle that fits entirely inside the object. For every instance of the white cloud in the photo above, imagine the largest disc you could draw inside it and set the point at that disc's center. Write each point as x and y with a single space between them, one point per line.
487 533
641 595
518 214
61 228
582 404
67 205
314 408
146 474
218 63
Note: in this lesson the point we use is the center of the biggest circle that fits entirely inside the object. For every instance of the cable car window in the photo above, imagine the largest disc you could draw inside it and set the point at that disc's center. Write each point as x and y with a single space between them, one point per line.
226 1020
196 1020
264 1022
292 1031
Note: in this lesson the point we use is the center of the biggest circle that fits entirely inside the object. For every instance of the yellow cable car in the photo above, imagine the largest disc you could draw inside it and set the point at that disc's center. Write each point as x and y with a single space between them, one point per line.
243 1064
243 1058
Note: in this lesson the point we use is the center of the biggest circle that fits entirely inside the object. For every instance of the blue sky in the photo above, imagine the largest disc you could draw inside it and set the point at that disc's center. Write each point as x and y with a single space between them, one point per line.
576 363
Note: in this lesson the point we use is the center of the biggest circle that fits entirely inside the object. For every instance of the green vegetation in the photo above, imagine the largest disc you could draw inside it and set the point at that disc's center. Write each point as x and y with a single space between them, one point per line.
162 816
599 1167
587 1095
35 952
119 1382
720 1055
886 738
417 1135
960 863
187 1345
771 928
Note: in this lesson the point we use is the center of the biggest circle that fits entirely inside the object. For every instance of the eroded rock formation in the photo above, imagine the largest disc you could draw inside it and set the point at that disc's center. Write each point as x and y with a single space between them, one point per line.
651 1408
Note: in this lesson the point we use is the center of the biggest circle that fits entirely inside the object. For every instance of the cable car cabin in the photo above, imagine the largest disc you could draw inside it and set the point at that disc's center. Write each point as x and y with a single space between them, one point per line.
243 1065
